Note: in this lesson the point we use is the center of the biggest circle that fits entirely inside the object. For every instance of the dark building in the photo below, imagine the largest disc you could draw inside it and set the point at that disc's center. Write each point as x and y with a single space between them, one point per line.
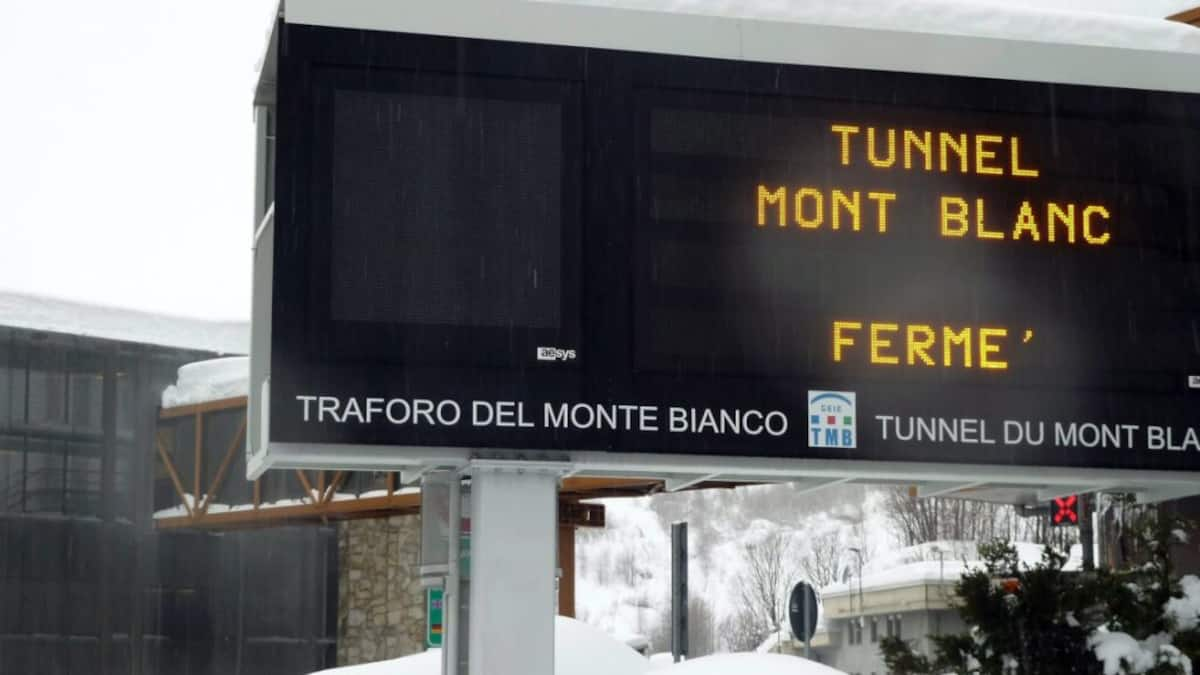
87 582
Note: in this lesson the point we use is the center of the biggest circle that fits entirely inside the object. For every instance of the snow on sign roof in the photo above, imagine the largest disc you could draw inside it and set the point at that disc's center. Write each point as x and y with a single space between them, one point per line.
981 38
1061 22
51 315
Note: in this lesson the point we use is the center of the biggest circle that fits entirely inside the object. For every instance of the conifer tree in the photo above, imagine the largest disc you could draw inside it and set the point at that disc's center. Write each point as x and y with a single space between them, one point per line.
1044 620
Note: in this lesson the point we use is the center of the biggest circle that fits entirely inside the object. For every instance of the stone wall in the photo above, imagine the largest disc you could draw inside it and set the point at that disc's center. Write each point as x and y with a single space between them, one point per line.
381 605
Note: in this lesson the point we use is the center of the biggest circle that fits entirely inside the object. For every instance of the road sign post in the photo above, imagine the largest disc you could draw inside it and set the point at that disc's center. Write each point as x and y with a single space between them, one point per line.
803 611
679 591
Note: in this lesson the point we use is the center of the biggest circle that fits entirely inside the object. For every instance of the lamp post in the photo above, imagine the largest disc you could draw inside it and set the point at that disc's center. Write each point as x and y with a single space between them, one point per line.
861 608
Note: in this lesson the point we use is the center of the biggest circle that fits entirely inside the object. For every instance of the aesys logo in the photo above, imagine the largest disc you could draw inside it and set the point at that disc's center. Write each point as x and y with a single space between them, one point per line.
831 419
555 354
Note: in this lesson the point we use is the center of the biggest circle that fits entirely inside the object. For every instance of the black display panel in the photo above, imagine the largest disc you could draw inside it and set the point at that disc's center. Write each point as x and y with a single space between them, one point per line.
511 246
447 210
791 222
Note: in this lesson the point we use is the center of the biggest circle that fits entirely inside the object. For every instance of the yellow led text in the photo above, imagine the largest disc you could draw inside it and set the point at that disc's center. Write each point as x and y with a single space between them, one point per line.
1050 223
811 208
983 154
920 345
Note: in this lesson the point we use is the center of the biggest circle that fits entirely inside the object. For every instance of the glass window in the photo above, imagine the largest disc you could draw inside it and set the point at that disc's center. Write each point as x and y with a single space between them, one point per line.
11 472
47 398
125 404
87 402
83 478
874 630
6 395
44 468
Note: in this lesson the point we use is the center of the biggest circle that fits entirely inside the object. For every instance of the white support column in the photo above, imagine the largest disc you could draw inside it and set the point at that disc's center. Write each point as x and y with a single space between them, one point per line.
514 528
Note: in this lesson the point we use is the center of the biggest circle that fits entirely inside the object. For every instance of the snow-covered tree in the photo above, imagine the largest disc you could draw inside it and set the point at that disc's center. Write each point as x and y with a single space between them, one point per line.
1045 620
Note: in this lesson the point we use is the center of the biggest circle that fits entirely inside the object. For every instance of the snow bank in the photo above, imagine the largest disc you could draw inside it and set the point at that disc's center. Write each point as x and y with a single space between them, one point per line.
579 649
661 660
1070 24
210 380
73 318
758 664
426 663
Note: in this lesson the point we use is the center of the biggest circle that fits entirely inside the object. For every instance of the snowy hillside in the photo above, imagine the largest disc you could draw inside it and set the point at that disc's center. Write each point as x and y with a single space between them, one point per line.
623 571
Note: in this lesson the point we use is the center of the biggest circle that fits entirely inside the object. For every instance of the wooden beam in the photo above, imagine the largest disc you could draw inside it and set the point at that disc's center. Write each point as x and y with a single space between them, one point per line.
566 562
257 493
580 514
391 483
1191 16
942 489
678 483
238 437
199 419
269 516
200 408
308 488
170 466
586 484
331 492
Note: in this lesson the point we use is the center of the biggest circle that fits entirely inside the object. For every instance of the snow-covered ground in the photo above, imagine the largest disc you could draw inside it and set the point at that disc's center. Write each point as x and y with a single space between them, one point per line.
748 664
579 649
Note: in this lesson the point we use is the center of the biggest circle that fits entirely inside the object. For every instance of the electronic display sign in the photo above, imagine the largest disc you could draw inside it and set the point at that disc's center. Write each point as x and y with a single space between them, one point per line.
482 244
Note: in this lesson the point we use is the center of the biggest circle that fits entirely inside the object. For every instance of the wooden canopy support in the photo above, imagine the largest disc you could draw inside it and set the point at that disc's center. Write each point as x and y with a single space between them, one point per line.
314 495
1191 16
566 563
270 516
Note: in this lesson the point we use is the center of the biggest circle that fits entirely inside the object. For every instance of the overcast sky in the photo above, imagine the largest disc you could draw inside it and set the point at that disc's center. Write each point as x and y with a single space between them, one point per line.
126 148
126 152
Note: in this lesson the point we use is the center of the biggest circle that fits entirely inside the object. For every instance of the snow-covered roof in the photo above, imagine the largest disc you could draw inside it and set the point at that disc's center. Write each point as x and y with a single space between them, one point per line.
211 380
940 562
110 323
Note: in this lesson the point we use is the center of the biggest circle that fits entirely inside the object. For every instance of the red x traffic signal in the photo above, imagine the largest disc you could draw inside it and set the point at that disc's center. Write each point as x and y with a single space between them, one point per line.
1065 511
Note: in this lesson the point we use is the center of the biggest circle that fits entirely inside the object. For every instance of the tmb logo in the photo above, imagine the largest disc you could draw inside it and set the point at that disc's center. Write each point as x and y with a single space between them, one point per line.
555 354
831 422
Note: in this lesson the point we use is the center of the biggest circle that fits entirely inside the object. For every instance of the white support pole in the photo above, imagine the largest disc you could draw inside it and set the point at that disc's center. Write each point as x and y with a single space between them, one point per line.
451 599
514 533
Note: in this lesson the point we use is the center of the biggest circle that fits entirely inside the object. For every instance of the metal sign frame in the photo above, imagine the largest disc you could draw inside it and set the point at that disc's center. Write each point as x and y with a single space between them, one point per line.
728 38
